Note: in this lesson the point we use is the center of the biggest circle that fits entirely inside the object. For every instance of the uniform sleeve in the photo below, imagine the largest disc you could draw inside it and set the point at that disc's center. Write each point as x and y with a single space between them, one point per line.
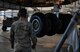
12 36
33 36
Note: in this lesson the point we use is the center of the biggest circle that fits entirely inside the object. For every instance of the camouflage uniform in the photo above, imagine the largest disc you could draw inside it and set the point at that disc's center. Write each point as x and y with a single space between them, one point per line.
21 31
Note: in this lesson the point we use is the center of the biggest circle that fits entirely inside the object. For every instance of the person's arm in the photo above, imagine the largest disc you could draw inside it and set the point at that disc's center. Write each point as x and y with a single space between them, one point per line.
33 37
12 36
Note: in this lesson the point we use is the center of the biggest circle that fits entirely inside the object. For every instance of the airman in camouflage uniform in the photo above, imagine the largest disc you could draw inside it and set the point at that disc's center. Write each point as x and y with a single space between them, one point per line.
21 33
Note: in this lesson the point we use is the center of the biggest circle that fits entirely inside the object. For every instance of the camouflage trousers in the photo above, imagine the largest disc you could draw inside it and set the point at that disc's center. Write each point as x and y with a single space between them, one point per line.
22 49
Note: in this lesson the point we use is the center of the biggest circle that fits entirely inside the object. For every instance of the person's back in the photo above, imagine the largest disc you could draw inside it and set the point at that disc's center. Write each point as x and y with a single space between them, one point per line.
22 32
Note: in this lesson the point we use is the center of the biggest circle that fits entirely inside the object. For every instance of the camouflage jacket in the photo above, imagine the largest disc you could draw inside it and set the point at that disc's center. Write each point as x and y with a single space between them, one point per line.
22 32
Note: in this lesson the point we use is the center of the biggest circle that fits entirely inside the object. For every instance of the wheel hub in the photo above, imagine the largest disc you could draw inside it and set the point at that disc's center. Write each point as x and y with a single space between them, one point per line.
36 25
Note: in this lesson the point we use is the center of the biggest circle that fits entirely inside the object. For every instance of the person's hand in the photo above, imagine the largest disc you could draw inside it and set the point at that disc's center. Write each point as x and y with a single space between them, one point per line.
12 46
33 46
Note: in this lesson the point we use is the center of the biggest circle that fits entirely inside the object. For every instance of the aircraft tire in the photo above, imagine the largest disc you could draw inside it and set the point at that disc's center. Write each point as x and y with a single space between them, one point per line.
38 23
53 24
65 19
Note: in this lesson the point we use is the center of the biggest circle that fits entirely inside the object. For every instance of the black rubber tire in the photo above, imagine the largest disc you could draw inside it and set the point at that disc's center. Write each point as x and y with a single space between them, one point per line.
65 19
4 28
53 24
48 24
40 20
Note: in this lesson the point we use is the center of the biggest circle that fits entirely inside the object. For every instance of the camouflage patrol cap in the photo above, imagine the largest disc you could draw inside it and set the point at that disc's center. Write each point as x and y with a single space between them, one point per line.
22 12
